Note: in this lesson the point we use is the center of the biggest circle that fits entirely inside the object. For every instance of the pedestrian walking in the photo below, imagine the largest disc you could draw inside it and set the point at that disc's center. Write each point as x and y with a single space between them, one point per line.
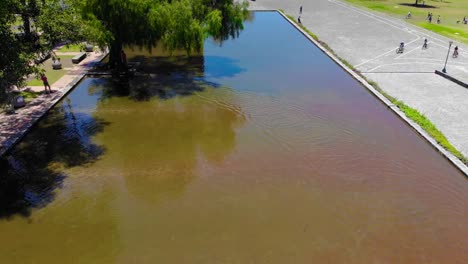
299 20
46 83
300 10
438 19
455 52
430 17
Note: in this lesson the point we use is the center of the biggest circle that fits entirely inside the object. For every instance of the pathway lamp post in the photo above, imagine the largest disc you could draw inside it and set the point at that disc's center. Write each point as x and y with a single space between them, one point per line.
444 70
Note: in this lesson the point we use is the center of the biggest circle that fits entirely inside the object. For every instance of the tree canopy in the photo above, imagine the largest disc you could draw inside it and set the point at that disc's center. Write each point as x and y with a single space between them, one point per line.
176 24
31 28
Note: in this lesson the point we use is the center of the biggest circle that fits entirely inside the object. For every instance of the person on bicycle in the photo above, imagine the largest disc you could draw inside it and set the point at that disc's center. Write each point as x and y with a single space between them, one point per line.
425 44
401 47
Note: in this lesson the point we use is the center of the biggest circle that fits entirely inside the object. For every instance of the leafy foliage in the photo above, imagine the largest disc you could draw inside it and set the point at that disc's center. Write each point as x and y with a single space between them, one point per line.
176 24
13 61
30 29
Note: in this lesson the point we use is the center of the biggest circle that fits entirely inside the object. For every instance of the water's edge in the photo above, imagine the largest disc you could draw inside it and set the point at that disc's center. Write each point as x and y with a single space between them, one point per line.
446 154
15 139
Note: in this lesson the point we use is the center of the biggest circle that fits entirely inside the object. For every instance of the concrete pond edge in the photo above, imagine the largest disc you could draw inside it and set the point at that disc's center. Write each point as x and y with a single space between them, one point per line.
447 154
14 140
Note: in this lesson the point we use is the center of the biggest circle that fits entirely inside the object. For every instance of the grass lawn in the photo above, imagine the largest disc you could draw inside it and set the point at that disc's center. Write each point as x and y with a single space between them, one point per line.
71 48
450 12
52 75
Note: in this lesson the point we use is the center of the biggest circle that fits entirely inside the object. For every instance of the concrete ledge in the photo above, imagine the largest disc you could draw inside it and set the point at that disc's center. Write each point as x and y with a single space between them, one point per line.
13 140
450 78
448 155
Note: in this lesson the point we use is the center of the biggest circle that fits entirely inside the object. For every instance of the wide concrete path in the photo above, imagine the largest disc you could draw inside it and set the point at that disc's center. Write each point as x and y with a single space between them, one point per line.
14 126
369 41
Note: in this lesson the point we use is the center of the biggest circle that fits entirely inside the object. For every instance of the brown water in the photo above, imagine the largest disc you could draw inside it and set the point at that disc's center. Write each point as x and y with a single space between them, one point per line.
262 151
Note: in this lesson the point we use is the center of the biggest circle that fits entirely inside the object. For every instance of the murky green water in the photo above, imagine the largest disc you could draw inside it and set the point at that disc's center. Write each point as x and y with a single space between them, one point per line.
261 151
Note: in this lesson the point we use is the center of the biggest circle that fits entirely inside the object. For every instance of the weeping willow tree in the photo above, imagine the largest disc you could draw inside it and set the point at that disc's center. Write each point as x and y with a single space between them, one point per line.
176 24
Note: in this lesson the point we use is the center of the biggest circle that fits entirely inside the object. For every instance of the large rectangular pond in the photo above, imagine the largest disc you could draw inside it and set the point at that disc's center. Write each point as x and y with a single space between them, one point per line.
262 150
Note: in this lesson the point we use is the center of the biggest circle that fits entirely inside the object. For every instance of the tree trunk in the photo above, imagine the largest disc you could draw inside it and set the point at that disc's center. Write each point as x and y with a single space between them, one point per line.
26 26
115 60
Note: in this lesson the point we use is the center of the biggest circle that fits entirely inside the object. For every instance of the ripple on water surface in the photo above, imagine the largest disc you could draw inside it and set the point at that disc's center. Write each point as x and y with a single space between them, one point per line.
261 150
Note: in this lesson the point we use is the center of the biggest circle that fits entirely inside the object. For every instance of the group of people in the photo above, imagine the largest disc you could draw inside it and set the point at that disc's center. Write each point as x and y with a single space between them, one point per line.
401 48
429 18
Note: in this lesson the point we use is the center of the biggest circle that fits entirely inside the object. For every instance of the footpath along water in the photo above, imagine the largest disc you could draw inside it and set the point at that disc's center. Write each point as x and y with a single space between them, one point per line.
262 150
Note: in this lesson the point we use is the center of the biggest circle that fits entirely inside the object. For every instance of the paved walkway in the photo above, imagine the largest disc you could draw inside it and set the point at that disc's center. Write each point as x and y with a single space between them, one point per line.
369 41
14 126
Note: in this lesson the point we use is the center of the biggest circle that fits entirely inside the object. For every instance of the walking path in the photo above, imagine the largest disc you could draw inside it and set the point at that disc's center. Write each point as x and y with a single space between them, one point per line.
369 41
14 126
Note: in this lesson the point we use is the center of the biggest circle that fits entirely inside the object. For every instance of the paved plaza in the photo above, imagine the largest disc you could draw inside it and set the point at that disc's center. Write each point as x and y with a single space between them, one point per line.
369 41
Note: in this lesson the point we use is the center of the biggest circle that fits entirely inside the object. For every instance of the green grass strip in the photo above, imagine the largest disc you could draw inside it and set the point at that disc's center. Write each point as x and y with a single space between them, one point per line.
52 76
411 113
72 48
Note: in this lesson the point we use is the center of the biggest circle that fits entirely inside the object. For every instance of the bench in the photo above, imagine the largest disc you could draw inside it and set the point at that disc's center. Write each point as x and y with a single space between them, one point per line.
89 48
56 65
78 58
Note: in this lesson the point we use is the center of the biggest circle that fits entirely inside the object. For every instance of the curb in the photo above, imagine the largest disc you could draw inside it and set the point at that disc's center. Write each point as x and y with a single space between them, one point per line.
448 155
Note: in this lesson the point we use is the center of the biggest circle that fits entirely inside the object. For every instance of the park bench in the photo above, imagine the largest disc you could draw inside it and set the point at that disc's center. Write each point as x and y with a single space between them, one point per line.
42 57
78 58
56 64
89 48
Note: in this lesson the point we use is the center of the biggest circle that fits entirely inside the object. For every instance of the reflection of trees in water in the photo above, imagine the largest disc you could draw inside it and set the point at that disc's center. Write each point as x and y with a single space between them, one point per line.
30 173
156 145
166 77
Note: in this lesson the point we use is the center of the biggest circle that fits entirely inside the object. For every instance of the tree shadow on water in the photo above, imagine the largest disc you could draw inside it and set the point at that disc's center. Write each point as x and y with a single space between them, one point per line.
33 170
167 77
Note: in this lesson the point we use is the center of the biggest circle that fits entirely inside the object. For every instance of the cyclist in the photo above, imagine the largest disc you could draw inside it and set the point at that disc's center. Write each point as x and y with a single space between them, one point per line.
401 48
425 44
